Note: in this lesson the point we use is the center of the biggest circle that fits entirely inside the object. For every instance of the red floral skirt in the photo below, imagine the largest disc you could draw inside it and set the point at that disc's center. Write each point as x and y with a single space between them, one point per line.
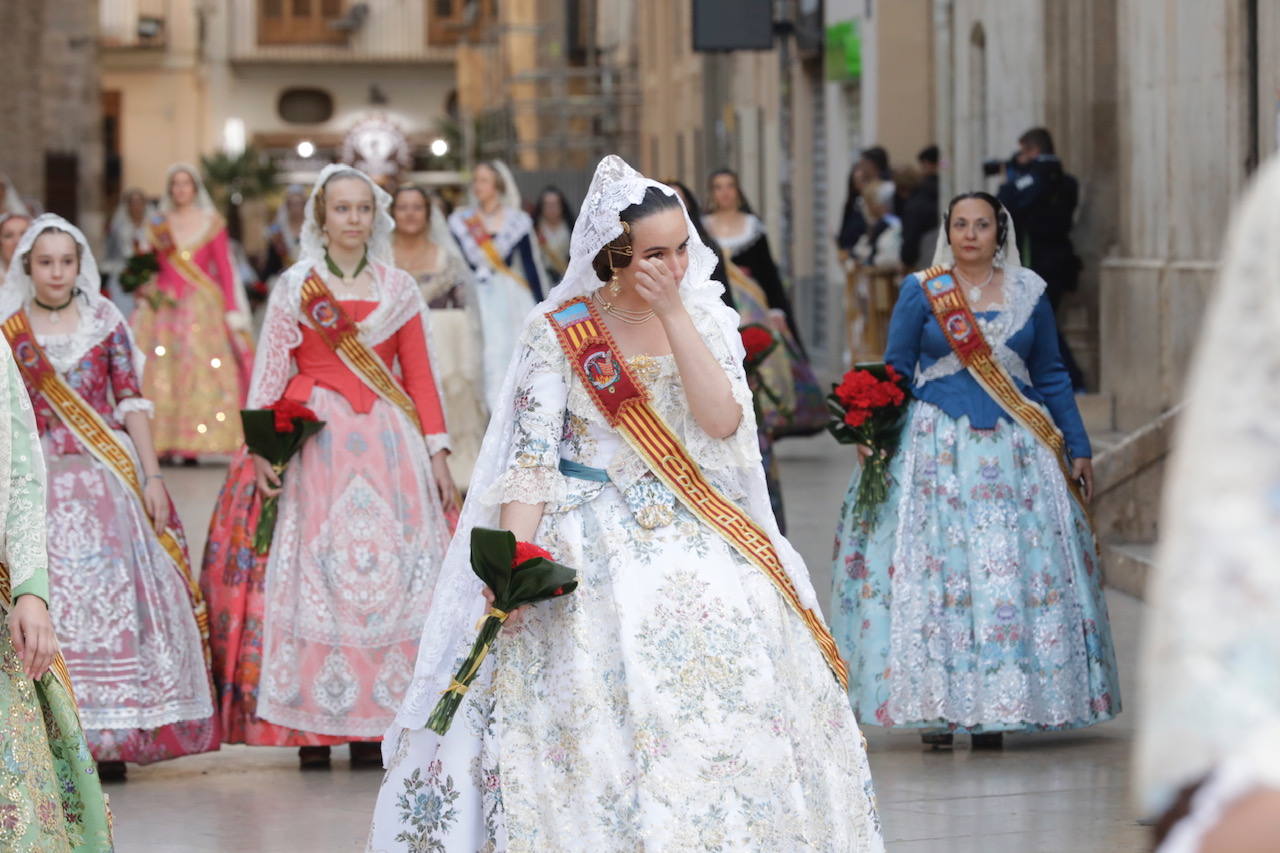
234 583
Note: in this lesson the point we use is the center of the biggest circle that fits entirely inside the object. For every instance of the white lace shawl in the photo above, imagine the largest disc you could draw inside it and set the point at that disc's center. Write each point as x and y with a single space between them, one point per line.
457 604
1022 291
736 243
99 317
22 484
398 296
516 225
1210 665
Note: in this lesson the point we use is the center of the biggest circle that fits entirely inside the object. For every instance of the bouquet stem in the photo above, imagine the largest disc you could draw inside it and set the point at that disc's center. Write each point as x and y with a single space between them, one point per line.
873 485
442 716
266 529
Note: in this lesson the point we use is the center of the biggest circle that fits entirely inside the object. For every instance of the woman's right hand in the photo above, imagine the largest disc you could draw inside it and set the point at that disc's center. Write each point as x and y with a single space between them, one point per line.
266 478
864 453
513 618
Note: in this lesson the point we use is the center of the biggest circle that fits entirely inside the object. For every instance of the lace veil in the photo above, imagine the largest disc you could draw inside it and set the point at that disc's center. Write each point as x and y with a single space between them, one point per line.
458 603
203 199
1007 258
13 203
1210 666
99 317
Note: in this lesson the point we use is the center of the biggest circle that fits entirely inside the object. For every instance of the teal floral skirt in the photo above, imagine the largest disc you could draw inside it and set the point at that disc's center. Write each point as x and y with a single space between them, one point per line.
50 797
971 599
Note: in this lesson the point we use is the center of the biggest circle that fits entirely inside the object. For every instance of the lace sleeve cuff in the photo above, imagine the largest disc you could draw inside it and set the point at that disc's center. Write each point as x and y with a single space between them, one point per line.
134 404
437 442
533 485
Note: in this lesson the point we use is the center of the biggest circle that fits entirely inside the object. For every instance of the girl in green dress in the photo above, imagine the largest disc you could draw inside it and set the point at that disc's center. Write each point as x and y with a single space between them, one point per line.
50 798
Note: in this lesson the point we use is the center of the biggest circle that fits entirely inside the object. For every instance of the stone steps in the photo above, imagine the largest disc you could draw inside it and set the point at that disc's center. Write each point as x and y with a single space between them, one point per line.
1127 565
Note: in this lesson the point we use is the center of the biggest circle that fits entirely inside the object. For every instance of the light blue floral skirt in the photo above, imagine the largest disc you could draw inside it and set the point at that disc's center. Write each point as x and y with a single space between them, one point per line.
972 599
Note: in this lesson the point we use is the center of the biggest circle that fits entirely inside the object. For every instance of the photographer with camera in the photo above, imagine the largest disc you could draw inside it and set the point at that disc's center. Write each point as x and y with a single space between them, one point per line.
1042 199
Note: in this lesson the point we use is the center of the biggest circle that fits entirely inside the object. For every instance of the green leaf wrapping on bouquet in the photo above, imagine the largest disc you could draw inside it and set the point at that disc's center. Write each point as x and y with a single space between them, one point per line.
138 270
277 447
493 553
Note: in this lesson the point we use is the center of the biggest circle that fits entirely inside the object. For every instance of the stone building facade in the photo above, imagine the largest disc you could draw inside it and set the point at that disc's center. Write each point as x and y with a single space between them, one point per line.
49 106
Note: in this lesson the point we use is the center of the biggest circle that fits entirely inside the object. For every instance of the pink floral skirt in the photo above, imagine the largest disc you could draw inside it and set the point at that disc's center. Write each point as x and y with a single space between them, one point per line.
314 644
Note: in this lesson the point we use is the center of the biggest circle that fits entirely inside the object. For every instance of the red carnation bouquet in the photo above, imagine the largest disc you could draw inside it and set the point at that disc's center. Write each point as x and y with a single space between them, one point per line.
276 433
868 408
517 573
759 341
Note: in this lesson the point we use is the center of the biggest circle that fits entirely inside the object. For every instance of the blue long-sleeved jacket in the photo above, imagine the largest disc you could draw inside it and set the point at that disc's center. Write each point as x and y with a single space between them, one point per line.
916 341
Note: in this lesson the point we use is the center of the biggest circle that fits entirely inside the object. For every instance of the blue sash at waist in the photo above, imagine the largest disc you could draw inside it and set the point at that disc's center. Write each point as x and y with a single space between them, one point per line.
583 472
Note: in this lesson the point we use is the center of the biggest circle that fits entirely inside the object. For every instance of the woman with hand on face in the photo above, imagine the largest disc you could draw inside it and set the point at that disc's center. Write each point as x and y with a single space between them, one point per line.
50 795
193 325
971 600
313 643
498 241
128 611
683 696
425 249
12 227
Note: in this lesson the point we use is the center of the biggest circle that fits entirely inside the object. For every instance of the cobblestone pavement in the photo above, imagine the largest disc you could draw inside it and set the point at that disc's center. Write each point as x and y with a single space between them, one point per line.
1048 793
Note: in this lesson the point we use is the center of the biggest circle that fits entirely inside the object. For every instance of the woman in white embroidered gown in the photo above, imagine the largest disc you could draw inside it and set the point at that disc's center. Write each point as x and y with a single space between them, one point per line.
674 701
498 241
1208 745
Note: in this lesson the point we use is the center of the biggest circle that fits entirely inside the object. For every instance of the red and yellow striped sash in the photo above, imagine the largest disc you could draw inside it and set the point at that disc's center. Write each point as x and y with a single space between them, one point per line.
342 336
625 405
960 327
96 436
475 227
164 243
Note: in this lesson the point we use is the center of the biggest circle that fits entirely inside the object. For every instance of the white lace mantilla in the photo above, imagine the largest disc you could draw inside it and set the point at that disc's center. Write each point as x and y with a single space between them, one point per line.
1021 294
22 481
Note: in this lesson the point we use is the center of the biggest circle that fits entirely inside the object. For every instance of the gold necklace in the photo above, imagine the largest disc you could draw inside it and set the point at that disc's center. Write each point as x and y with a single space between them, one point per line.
626 315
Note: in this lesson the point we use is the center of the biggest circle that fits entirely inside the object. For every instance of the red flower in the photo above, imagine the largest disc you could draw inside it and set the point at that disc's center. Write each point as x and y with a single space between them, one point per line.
287 411
856 417
526 551
756 340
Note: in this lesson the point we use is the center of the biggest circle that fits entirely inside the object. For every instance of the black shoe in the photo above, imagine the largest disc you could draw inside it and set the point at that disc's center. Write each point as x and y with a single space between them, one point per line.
111 771
313 757
938 740
988 740
366 753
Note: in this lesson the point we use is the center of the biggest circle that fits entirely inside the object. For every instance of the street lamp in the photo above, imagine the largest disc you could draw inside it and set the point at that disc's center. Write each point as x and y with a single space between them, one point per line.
306 149
439 147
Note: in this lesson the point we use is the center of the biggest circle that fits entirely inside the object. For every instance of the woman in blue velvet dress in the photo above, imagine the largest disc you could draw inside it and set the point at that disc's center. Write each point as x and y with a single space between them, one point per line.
971 599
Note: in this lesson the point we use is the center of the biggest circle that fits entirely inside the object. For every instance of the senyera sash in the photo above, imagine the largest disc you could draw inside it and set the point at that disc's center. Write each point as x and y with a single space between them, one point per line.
960 327
97 437
59 665
475 227
340 334
163 241
624 404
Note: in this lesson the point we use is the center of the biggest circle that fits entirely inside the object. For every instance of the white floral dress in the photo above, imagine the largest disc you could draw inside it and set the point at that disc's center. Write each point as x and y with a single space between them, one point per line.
674 701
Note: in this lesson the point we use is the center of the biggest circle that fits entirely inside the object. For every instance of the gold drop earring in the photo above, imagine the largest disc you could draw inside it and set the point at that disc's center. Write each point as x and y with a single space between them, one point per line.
615 286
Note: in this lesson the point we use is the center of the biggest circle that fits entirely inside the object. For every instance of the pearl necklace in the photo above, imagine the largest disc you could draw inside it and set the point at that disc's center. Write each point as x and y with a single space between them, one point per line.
975 290
626 315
